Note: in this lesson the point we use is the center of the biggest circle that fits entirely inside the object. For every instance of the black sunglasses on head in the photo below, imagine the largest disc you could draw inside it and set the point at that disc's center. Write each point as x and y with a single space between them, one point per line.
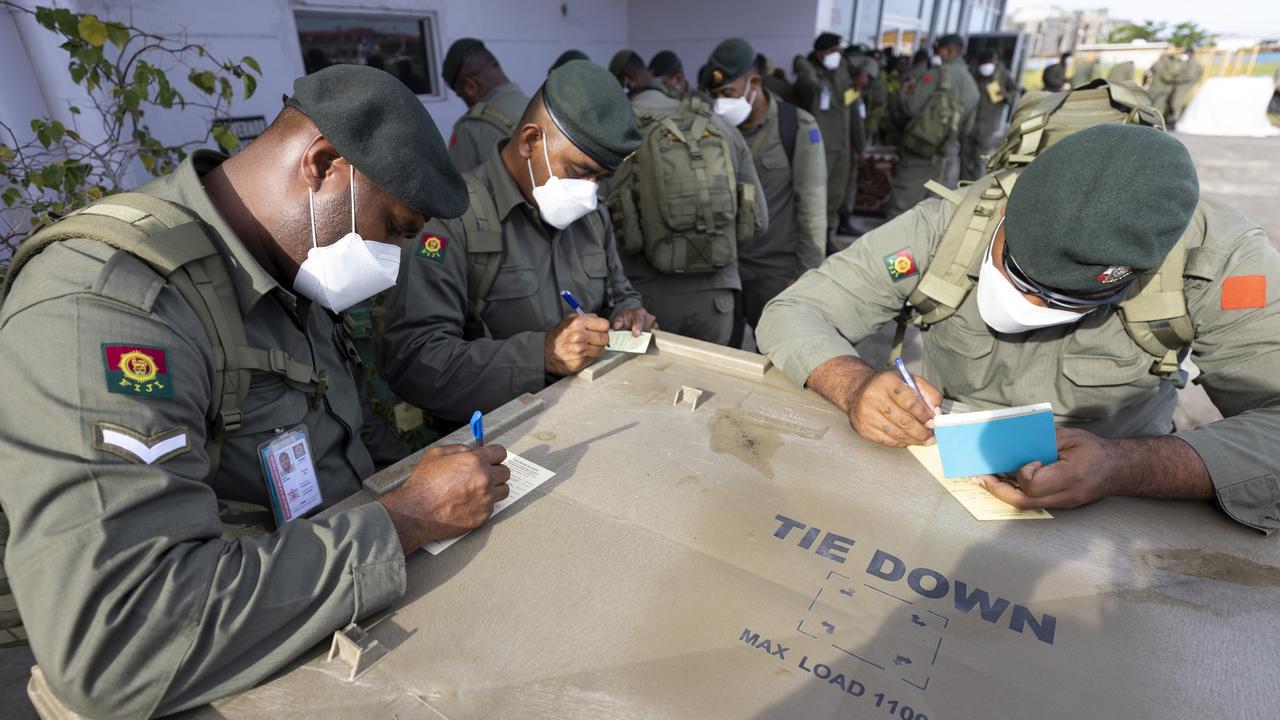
1054 298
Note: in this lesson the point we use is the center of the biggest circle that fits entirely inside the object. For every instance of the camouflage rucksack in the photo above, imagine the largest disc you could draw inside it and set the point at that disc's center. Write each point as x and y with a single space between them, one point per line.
1154 315
677 199
937 122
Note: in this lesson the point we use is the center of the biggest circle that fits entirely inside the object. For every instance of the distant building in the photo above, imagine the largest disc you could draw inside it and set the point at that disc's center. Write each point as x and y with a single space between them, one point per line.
1052 31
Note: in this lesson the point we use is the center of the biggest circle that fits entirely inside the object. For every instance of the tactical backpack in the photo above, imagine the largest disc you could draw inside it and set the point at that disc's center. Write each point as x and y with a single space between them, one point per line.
929 130
677 199
178 246
1154 312
483 228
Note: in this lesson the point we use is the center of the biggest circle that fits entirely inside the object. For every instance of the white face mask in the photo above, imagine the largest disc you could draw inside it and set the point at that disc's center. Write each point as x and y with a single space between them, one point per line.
340 275
935 60
831 60
561 202
735 111
1006 310
986 69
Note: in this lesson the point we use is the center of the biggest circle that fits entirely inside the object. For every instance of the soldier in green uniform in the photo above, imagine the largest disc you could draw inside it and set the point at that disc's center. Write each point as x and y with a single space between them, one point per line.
995 88
1083 71
1121 71
776 82
939 108
1163 79
1051 267
477 318
863 70
825 90
701 304
787 147
669 71
494 103
161 349
1054 77
1189 73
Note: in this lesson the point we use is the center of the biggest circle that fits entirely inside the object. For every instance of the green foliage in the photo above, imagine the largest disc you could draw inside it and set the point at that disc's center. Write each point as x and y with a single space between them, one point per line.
1188 35
1128 32
122 70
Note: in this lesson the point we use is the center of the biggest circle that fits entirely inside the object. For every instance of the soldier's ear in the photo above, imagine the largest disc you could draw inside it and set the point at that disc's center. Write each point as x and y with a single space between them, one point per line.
526 139
317 162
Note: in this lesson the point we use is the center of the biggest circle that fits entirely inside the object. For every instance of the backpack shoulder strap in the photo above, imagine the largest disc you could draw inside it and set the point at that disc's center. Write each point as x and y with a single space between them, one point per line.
486 111
483 228
788 125
1155 311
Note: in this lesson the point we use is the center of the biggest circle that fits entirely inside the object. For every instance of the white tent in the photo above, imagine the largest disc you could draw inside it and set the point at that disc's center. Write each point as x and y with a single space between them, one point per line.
1235 106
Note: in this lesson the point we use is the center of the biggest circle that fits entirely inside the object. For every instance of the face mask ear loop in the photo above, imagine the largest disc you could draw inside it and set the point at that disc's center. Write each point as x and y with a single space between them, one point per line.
352 175
545 156
311 205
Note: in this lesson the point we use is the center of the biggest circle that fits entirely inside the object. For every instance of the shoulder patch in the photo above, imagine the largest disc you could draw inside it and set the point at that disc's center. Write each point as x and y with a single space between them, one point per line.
453 139
901 264
815 136
1244 292
138 448
137 370
432 247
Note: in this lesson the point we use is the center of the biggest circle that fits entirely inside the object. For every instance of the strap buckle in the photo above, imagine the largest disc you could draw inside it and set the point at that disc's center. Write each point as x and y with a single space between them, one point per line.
228 422
278 361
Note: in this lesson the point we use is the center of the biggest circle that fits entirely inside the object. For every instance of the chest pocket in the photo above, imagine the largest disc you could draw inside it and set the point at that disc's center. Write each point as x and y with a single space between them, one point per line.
271 404
775 158
595 265
514 282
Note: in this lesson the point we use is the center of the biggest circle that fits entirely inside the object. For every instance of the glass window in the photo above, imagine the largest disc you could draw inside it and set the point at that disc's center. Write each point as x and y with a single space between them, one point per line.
400 45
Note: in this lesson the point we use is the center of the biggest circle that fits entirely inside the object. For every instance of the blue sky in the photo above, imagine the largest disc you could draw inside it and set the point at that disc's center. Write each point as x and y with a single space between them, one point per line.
1253 18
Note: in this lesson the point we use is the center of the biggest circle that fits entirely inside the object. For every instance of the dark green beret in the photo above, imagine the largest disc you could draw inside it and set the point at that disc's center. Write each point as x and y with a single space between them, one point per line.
589 107
1100 205
863 63
620 60
729 61
566 56
453 59
826 41
381 127
665 62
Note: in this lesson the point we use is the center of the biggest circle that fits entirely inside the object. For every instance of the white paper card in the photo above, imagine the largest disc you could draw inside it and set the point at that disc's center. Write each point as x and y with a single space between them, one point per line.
624 341
525 476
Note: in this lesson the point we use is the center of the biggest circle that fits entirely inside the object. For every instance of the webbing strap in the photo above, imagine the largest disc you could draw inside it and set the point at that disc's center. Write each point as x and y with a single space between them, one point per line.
484 247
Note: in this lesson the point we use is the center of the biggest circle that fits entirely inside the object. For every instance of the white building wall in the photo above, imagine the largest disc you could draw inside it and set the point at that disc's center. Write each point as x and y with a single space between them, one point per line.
779 29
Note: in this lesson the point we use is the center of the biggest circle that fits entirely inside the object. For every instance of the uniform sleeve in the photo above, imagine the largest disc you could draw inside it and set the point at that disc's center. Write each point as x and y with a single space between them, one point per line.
1237 348
134 603
471 143
809 185
625 296
426 355
851 296
745 168
921 92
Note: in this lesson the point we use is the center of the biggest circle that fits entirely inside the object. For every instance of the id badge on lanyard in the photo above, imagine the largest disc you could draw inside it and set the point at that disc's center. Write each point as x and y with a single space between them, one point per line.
290 474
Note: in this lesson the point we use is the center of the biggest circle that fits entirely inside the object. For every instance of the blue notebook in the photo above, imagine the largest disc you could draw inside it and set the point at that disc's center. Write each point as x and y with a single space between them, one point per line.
995 441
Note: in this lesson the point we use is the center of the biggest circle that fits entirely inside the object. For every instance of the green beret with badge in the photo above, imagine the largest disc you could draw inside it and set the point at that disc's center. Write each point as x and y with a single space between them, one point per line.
381 127
587 104
729 61
1105 203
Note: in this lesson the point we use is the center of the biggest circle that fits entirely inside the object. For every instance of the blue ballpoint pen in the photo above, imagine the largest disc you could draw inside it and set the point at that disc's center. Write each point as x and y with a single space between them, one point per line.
910 381
477 428
573 302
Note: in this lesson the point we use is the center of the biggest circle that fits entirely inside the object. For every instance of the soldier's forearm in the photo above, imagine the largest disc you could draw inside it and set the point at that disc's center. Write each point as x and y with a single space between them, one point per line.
1159 467
838 379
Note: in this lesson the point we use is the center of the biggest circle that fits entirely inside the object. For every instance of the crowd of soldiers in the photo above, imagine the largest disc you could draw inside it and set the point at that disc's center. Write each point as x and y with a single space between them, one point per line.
1169 81
176 356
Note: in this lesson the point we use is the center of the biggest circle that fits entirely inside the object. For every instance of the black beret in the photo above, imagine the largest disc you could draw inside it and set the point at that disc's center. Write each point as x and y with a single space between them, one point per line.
566 56
381 127
589 107
458 52
826 41
620 61
729 61
665 62
1101 204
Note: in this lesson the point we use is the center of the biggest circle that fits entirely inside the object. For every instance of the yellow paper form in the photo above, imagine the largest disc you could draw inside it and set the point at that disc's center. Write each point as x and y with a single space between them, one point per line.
624 341
995 92
980 503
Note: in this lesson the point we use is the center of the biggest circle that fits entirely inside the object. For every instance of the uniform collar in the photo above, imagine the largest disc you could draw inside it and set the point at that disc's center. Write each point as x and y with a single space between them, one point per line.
184 187
506 193
769 116
503 89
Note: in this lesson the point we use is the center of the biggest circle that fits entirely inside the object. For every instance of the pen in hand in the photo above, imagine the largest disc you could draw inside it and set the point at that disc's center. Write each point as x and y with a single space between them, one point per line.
911 382
572 301
477 428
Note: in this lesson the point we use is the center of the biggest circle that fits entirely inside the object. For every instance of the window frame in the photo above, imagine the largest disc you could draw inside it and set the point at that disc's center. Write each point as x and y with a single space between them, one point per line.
428 29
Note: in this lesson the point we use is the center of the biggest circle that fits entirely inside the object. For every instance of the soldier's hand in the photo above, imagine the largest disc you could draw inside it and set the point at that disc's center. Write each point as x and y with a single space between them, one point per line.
885 410
638 320
451 491
1078 477
907 86
574 343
